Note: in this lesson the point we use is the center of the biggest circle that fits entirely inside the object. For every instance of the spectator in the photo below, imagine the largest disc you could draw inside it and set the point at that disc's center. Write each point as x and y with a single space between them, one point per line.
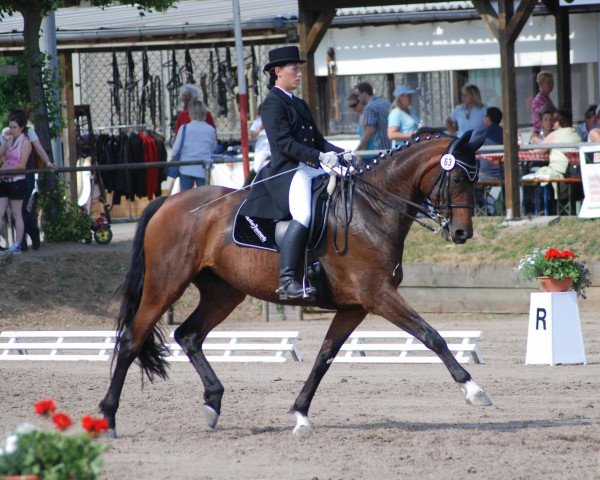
195 142
187 94
591 121
29 218
358 108
547 115
402 120
262 149
564 133
545 81
376 111
491 169
594 137
469 114
14 155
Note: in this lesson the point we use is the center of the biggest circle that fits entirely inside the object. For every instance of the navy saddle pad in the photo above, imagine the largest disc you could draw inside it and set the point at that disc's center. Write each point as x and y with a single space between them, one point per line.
265 234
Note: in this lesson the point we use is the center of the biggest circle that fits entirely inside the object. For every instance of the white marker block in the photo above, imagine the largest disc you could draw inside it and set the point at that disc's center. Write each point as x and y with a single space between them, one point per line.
554 336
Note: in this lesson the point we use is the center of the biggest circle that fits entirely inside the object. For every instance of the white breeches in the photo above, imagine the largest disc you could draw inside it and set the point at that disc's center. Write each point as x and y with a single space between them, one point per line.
300 193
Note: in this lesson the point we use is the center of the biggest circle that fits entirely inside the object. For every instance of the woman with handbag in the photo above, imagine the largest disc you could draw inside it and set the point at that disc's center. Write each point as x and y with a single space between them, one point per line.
38 159
14 155
195 141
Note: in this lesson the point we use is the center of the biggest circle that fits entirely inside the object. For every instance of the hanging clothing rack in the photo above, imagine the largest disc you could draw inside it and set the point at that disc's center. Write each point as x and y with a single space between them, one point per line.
116 127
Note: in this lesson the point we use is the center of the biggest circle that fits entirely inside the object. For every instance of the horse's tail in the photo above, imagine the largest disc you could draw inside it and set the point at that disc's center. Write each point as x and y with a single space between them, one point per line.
153 351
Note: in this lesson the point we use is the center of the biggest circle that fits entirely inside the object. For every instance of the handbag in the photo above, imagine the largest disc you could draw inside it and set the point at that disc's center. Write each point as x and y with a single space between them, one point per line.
173 171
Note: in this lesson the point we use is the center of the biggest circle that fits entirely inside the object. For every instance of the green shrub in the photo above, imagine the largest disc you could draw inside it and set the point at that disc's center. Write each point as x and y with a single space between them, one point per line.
62 219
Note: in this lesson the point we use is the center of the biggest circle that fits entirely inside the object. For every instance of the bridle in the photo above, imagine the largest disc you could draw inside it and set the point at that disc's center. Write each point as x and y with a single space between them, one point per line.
443 181
398 203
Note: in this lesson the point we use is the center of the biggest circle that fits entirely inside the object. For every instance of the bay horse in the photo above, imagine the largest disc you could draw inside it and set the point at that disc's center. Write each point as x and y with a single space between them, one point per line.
176 243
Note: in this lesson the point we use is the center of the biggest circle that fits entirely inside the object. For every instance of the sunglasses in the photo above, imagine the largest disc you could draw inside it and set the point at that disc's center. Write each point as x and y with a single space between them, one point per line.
354 105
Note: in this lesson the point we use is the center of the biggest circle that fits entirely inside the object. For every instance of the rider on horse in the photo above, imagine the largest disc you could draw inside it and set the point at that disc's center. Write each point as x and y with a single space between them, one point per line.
298 149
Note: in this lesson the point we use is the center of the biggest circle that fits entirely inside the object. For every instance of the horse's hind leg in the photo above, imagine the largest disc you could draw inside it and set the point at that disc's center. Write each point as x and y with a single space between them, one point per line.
131 341
343 324
393 307
218 300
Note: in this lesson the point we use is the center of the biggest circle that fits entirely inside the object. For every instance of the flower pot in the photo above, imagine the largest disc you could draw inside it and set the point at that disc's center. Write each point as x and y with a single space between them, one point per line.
549 284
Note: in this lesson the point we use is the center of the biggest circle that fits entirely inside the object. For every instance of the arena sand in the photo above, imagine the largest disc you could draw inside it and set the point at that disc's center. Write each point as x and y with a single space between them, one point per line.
370 421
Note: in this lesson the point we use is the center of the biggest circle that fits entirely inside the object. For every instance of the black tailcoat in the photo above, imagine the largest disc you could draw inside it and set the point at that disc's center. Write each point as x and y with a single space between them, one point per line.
294 138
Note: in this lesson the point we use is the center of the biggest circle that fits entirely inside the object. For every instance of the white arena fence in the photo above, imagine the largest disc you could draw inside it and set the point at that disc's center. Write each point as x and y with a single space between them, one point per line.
400 347
365 346
238 346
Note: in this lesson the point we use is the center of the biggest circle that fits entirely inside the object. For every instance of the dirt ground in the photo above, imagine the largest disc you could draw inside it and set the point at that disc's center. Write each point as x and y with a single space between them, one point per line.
371 421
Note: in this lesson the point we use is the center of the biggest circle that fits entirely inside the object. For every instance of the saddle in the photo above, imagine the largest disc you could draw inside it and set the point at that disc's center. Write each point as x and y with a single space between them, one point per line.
268 234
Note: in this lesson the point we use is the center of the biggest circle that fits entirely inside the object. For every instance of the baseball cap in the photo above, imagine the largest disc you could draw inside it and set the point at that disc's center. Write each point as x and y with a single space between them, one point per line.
403 90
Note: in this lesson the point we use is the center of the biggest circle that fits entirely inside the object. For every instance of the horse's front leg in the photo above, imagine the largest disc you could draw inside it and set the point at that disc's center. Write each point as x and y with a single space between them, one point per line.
394 308
217 300
343 324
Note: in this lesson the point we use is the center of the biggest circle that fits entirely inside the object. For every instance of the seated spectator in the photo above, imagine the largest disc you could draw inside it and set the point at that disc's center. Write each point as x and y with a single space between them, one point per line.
591 121
564 133
594 137
546 125
491 169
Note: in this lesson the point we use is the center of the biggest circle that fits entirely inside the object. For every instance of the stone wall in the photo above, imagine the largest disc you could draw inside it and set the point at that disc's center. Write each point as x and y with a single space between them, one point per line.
479 289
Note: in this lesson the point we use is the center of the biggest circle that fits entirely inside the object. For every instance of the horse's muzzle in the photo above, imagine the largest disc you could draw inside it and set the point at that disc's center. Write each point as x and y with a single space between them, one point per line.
460 235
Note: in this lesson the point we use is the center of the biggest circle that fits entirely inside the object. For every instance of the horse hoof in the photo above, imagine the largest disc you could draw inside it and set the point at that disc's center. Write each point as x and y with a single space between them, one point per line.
302 428
111 433
210 415
474 395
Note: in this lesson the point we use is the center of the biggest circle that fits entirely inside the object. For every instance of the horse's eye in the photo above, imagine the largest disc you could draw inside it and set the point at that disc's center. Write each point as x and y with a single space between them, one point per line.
457 179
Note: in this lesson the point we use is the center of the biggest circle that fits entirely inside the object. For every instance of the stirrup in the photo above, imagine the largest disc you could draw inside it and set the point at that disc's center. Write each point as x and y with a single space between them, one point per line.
307 293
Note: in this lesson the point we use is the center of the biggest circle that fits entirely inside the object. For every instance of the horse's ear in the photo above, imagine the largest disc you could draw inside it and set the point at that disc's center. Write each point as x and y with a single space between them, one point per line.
473 138
477 139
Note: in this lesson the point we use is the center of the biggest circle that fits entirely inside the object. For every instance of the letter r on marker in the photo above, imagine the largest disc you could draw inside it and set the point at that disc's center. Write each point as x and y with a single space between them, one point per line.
540 317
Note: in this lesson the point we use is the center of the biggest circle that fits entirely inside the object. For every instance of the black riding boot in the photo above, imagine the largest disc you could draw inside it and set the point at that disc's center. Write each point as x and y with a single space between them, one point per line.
291 252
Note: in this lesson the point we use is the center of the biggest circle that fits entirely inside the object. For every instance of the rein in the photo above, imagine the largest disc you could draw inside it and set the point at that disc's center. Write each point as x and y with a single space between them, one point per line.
431 212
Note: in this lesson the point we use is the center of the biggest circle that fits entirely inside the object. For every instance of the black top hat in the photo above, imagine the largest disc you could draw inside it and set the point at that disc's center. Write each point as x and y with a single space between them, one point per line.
282 56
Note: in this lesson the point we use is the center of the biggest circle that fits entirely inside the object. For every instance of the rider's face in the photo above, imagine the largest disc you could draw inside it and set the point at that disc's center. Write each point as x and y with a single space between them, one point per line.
289 76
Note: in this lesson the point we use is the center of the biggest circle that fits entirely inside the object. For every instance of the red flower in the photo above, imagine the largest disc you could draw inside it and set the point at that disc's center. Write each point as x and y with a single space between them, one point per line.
45 407
567 254
94 426
552 253
62 421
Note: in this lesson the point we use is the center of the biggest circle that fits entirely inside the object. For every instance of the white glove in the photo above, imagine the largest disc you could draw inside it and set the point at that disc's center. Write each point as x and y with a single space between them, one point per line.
329 159
349 157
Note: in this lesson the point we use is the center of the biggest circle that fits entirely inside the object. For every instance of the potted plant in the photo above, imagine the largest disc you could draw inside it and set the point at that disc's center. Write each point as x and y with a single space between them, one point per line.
555 270
31 453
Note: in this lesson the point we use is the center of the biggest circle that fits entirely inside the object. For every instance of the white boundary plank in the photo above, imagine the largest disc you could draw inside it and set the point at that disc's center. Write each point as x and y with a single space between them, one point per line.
97 345
358 349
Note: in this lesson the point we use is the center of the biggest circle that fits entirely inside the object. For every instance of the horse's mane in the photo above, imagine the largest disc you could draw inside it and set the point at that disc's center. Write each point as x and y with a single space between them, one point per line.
405 161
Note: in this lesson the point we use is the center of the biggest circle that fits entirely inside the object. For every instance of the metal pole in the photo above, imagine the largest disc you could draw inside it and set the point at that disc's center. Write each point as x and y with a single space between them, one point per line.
48 46
242 92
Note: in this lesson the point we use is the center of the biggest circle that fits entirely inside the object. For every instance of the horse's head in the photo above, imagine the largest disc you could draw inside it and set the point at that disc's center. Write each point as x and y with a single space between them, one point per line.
449 184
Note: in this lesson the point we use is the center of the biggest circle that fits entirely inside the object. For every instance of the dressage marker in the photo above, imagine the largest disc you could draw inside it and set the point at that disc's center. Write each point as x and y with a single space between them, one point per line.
270 347
554 335
410 350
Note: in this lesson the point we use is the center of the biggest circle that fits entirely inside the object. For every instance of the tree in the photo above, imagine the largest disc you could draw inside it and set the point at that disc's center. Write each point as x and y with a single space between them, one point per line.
33 11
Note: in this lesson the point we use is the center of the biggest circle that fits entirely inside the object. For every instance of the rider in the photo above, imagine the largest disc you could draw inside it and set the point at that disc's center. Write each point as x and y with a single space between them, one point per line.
297 150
